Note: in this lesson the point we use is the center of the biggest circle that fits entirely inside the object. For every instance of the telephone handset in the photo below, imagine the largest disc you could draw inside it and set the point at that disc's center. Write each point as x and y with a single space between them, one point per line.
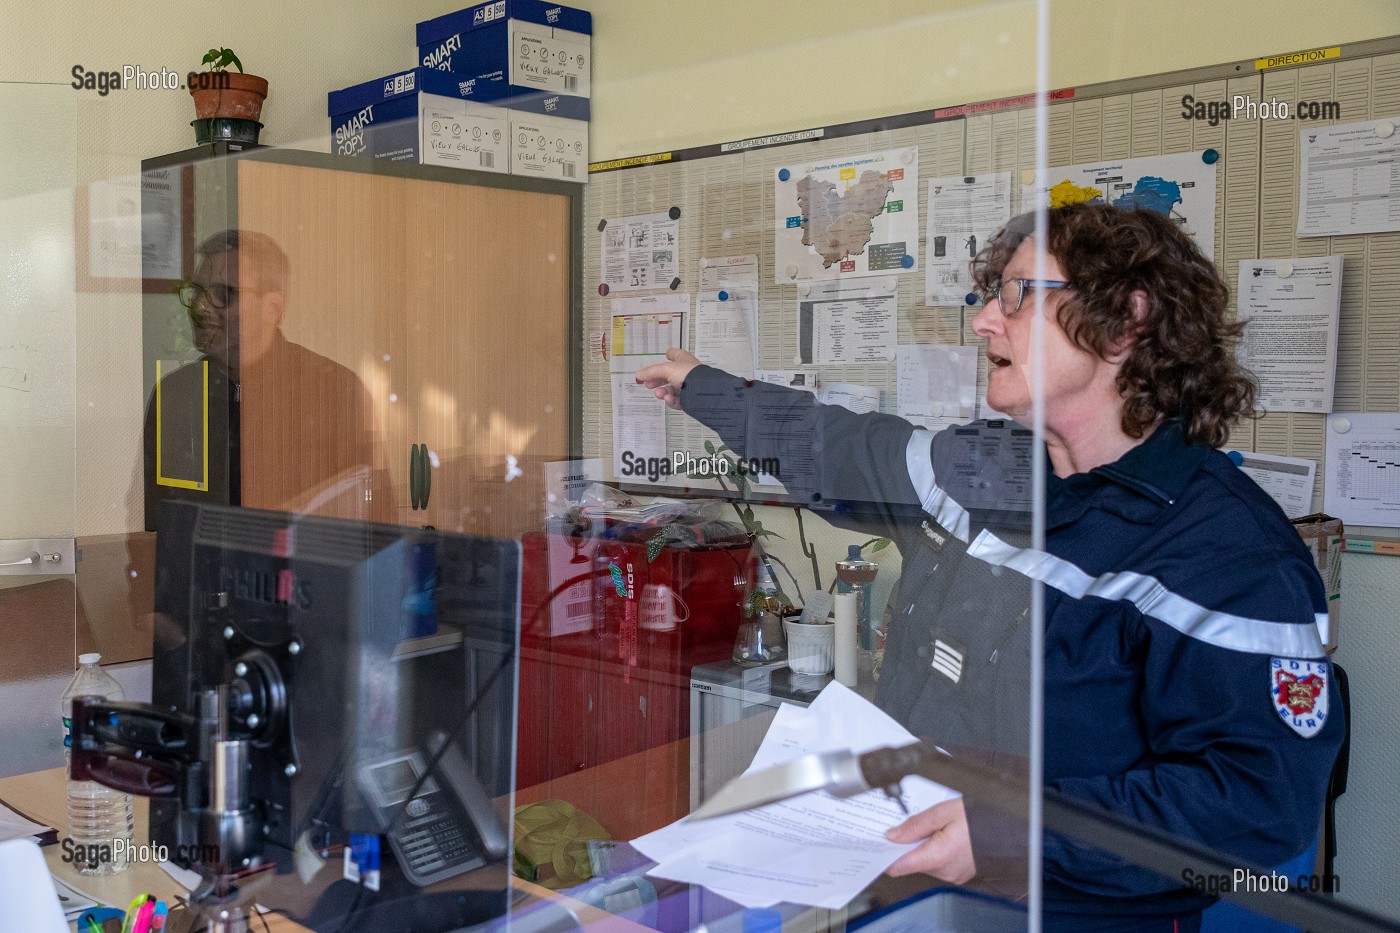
449 827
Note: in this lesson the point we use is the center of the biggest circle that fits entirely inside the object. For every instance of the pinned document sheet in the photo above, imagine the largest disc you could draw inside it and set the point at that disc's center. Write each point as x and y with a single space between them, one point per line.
1348 182
1290 341
1362 480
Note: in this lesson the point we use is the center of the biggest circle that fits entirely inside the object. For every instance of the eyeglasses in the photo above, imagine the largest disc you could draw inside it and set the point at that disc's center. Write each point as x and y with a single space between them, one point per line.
217 295
1021 286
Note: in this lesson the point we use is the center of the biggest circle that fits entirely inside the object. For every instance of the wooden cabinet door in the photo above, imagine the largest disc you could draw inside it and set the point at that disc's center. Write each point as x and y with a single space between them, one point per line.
319 409
487 287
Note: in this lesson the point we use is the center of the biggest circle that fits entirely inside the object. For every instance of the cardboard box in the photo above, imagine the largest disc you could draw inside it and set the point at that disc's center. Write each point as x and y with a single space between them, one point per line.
1325 537
531 46
426 116
548 143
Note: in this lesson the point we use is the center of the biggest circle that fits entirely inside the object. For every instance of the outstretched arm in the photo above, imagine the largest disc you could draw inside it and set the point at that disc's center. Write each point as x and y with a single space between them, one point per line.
858 468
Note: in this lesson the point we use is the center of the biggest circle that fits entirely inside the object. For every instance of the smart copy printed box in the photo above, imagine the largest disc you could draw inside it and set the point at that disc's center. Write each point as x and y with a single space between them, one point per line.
548 143
531 46
426 116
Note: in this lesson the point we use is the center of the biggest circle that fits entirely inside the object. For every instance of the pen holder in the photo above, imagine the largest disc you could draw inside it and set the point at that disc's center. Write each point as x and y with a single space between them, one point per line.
811 646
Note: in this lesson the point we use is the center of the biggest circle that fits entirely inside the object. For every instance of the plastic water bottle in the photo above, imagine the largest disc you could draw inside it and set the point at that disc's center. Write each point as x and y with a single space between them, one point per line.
98 816
856 575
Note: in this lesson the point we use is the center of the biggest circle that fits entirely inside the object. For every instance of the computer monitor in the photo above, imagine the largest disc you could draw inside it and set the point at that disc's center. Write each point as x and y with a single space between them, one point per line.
372 669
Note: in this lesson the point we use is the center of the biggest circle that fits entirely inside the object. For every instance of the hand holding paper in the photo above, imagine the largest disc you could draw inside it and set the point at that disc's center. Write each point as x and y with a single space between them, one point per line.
815 849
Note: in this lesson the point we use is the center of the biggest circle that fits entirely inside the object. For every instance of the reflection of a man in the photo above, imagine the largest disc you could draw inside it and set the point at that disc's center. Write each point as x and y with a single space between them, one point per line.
288 428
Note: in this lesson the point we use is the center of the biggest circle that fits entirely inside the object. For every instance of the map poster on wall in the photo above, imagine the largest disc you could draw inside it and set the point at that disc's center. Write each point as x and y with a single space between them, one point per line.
640 252
846 217
1180 186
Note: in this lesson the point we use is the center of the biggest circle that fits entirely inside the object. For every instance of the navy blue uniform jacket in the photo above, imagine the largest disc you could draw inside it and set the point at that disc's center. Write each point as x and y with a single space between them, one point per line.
1186 686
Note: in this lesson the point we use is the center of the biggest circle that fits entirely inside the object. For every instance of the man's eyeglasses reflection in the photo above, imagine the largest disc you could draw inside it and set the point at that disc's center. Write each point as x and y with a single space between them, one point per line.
217 296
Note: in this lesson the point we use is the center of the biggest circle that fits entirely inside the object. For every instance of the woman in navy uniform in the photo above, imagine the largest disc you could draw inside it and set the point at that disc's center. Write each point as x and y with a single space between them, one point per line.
1186 686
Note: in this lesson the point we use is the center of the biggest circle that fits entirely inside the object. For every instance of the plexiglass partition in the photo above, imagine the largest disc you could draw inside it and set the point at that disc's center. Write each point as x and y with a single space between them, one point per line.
815 483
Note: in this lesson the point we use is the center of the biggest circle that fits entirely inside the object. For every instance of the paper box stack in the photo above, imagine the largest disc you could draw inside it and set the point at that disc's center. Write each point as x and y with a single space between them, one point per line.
517 68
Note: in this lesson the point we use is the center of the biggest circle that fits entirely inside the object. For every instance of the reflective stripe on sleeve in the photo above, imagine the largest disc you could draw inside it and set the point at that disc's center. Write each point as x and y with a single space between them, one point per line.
1152 598
918 456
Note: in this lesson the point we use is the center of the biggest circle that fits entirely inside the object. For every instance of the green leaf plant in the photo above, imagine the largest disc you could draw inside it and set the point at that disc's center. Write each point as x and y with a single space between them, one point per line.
220 59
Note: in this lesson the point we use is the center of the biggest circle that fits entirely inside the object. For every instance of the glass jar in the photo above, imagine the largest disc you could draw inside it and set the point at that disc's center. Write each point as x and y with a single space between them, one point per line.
760 640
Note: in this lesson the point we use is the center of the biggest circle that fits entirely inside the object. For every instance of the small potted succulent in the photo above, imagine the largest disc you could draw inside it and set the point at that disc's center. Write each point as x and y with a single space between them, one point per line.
227 104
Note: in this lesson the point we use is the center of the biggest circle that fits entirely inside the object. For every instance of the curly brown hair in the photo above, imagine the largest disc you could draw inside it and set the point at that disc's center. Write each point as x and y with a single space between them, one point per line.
1181 363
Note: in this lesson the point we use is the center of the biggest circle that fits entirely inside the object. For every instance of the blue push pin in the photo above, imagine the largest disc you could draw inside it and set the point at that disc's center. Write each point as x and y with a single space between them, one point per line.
1210 157
1236 457
971 298
724 296
784 174
907 261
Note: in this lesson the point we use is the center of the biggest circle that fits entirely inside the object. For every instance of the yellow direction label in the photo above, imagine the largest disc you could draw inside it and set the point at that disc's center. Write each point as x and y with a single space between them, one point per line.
1305 57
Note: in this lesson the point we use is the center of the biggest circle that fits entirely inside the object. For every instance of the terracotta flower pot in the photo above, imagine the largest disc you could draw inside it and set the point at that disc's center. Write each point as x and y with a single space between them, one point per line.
227 94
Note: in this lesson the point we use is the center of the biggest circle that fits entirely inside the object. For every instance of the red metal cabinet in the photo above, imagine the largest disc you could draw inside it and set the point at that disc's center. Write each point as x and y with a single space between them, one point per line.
604 675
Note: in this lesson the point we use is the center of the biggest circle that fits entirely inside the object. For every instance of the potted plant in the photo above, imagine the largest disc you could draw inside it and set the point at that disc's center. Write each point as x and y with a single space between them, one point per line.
227 104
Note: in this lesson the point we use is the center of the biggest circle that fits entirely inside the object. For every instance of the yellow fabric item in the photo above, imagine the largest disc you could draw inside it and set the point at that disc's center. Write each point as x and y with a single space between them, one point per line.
551 843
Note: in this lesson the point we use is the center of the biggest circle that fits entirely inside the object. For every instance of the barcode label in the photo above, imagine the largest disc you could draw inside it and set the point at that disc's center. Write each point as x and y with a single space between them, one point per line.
571 82
577 610
488 159
568 169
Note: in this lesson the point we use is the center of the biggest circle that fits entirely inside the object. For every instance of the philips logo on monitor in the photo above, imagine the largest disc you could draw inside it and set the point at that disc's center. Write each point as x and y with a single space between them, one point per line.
267 588
488 12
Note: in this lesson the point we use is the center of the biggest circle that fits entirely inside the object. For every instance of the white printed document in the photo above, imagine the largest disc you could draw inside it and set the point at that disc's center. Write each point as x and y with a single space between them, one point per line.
729 271
815 849
639 252
847 322
1349 180
963 213
16 826
726 329
806 382
1362 481
937 384
1290 343
645 327
859 399
1287 480
639 428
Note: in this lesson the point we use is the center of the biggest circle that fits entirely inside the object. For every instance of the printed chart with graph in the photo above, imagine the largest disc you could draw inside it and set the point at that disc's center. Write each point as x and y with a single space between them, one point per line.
1363 468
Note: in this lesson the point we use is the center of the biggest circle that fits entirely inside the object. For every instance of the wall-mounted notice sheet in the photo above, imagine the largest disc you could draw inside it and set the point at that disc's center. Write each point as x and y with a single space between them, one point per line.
1350 178
1290 343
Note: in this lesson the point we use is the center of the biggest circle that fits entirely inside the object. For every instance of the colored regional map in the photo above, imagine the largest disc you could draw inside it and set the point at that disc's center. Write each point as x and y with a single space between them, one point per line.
839 225
1180 186
852 216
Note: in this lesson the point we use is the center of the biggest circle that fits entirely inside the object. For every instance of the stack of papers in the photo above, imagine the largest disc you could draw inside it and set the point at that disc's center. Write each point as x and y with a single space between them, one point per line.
14 825
815 849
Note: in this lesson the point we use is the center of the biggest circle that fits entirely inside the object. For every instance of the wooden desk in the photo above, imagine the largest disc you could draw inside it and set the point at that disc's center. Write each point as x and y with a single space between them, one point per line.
42 795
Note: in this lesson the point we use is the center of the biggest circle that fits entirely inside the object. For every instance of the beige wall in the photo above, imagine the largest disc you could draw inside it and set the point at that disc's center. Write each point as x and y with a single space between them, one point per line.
671 74
667 74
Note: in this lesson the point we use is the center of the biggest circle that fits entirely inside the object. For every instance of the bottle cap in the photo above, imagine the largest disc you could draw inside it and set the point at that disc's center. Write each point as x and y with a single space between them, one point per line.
853 552
91 658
